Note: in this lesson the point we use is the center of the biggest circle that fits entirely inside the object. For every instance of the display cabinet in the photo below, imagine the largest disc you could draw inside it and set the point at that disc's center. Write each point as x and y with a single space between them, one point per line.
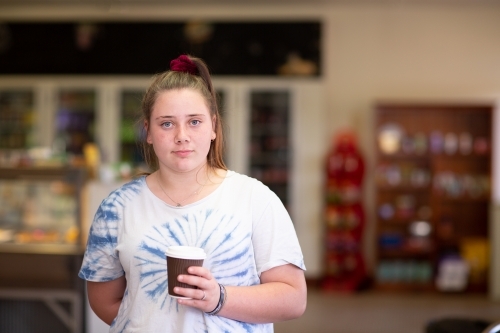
433 178
40 210
41 248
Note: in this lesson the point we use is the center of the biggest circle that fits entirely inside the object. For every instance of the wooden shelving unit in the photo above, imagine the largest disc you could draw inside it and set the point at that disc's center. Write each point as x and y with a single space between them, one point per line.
433 178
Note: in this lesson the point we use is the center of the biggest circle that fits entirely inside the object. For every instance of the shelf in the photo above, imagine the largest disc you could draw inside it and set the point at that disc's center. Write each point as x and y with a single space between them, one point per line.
42 173
404 286
405 157
467 158
449 200
400 188
429 157
404 222
274 130
403 253
270 158
450 176
63 249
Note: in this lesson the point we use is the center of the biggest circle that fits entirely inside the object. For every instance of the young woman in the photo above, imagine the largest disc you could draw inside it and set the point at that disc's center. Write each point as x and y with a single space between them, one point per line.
253 274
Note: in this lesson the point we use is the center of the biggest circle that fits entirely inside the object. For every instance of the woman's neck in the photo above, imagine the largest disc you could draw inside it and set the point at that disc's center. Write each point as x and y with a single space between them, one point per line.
180 189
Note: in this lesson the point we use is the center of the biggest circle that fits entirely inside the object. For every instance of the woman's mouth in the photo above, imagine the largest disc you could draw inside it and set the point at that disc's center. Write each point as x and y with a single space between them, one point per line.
183 153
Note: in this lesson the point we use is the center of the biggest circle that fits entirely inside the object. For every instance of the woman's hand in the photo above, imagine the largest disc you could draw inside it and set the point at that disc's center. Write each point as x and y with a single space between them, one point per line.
206 297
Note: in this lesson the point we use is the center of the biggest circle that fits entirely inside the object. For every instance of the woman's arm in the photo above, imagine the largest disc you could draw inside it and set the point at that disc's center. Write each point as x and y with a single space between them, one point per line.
105 298
282 295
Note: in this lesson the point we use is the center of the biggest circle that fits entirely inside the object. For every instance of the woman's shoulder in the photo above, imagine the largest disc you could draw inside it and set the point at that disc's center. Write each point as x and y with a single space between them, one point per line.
236 177
128 189
243 181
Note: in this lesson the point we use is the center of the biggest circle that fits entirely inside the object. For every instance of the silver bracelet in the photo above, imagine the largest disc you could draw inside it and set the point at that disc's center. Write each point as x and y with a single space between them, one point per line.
222 300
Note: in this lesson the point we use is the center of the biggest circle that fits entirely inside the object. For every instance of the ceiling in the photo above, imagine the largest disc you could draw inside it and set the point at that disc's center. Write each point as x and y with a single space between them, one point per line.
247 2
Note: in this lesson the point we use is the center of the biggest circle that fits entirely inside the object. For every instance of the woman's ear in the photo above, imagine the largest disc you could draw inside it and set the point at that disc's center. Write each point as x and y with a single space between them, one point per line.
146 129
214 122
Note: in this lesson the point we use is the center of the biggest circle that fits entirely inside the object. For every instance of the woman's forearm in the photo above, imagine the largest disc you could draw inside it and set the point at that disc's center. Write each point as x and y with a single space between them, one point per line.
106 313
105 298
265 303
272 301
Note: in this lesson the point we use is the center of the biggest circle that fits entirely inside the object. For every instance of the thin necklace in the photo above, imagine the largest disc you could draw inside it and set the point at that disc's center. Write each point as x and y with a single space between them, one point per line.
179 203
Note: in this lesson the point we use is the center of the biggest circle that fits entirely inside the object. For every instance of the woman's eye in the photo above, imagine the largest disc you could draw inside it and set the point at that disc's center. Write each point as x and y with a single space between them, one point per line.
195 122
167 124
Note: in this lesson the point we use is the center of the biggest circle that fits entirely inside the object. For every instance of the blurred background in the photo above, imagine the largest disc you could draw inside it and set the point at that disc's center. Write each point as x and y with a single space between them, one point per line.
376 123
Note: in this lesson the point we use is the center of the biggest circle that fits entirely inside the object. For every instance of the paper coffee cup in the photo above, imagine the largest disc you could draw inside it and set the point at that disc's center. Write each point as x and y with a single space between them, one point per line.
179 258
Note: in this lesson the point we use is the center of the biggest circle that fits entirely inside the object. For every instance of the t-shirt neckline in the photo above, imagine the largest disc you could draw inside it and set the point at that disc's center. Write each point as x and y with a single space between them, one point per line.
198 202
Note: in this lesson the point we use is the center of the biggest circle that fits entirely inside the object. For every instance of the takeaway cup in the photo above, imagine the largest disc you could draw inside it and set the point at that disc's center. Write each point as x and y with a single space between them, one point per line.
179 258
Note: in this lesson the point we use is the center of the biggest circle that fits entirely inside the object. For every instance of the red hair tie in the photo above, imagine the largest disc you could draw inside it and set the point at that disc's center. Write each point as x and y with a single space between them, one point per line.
184 64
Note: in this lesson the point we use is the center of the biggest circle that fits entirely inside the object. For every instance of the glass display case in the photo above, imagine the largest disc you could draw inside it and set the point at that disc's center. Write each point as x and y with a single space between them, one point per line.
40 210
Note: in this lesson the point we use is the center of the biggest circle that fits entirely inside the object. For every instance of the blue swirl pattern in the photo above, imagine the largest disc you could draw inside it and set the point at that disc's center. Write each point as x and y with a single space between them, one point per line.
229 258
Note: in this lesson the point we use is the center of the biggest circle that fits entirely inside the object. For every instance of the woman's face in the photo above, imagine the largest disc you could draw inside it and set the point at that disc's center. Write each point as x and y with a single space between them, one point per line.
180 130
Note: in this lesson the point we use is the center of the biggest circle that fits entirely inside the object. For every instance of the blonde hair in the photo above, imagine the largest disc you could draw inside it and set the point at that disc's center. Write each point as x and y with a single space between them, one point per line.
171 80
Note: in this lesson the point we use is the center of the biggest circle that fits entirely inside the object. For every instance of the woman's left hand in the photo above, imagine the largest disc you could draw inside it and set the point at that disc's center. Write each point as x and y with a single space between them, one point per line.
206 297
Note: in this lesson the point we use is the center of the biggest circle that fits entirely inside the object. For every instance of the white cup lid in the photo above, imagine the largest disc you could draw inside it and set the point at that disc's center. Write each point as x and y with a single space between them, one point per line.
186 252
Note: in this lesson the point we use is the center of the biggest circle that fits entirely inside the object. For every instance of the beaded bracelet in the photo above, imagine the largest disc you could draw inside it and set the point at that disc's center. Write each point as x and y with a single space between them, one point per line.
222 300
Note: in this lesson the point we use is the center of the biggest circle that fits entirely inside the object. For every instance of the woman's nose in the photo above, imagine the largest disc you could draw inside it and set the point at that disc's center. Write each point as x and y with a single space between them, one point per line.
181 135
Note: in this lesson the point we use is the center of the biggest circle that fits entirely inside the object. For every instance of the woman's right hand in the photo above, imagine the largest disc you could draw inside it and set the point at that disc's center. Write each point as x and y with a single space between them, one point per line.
206 297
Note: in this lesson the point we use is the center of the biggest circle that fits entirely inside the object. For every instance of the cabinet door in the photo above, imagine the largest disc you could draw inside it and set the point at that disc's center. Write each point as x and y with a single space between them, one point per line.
130 129
269 141
75 119
17 118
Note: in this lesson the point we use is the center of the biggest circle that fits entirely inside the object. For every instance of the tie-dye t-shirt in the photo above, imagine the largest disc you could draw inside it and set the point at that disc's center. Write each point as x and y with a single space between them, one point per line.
242 226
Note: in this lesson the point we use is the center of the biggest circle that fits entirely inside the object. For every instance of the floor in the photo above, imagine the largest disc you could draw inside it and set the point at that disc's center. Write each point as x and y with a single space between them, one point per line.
375 312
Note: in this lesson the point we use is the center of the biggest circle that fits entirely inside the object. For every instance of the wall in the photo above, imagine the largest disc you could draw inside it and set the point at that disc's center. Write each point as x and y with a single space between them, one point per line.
371 52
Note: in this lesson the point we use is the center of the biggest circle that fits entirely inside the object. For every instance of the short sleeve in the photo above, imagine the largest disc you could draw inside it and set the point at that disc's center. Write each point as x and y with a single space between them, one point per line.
101 262
274 238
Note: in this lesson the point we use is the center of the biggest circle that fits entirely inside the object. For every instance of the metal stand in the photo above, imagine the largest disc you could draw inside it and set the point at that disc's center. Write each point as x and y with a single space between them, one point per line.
72 320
